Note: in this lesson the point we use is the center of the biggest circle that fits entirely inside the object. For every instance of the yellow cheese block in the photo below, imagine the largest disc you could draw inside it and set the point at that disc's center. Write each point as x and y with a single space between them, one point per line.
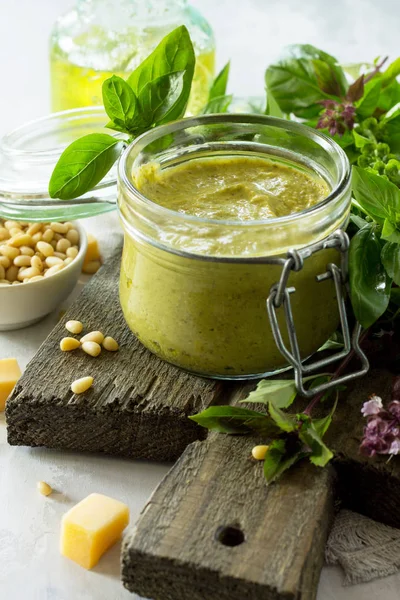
9 375
91 527
92 252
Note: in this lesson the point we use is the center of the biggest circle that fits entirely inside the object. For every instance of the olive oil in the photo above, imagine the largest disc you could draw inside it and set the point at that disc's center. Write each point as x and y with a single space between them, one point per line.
74 86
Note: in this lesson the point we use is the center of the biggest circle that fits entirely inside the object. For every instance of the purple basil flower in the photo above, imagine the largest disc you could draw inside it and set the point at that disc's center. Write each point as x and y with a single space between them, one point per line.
382 431
372 407
338 117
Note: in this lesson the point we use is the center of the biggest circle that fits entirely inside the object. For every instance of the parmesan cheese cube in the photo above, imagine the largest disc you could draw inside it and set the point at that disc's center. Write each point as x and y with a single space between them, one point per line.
9 375
91 527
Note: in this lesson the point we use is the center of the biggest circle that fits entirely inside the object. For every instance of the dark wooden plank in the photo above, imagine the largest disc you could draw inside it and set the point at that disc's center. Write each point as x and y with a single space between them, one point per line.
137 400
177 550
370 486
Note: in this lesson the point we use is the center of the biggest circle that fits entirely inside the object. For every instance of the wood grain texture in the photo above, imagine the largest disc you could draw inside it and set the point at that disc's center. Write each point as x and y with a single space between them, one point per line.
138 406
173 553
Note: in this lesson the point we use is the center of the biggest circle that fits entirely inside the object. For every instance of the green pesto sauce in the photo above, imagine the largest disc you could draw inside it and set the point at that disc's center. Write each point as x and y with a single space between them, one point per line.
210 317
238 188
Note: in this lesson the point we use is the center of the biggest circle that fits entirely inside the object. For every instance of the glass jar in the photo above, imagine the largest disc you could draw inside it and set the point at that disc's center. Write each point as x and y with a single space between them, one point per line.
28 156
194 290
99 38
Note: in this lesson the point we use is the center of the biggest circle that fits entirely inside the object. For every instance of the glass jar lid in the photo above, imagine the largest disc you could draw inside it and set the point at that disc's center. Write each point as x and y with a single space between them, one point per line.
27 158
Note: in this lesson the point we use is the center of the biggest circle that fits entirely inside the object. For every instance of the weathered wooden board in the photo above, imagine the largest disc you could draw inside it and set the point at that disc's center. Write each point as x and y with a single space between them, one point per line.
137 399
213 530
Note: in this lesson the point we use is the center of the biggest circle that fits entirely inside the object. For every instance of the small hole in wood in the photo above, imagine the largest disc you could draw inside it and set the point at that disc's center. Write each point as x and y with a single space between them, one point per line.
229 536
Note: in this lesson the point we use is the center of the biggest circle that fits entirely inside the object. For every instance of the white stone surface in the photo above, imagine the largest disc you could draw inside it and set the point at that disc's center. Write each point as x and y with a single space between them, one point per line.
252 34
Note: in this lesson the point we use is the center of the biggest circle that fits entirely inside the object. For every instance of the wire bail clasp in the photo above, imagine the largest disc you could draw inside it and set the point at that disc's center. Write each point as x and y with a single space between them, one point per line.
280 297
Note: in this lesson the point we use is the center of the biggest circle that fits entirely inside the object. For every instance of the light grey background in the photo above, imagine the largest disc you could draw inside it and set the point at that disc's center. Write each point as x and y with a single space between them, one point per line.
251 33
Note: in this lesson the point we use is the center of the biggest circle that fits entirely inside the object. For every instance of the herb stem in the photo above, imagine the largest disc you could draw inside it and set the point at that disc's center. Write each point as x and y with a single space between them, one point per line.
336 374
376 70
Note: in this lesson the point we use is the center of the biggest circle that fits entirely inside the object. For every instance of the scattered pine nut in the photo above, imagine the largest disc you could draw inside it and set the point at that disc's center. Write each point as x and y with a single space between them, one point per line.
68 343
91 348
44 488
110 344
259 452
93 336
74 326
90 268
81 385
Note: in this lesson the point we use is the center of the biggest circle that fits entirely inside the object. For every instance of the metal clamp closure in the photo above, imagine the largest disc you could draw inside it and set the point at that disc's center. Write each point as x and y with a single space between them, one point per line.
280 297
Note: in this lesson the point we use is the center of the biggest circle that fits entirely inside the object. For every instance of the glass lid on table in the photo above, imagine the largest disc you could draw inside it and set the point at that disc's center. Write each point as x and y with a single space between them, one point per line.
27 158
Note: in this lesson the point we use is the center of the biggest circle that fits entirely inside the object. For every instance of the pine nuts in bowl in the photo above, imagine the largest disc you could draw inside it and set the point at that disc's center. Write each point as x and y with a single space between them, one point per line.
40 264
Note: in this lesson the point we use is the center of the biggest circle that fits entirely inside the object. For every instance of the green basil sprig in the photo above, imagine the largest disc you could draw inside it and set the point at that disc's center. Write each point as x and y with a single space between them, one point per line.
155 93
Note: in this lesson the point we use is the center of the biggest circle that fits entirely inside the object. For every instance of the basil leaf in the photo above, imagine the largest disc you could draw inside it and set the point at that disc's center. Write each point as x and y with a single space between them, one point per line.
358 221
391 72
356 90
83 164
219 104
329 78
235 420
120 103
395 296
320 453
174 54
284 421
360 140
278 460
389 96
335 342
322 425
281 391
367 105
218 88
391 127
273 108
369 283
376 195
294 83
390 257
163 97
390 233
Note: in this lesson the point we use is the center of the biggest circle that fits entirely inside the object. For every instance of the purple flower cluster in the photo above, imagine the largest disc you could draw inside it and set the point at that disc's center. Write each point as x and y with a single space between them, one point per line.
382 432
337 117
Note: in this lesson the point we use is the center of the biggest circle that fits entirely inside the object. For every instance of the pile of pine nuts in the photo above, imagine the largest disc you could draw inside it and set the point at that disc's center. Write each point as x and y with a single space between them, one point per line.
32 251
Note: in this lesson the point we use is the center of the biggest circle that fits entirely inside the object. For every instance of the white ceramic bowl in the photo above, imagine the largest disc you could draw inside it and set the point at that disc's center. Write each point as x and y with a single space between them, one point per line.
23 305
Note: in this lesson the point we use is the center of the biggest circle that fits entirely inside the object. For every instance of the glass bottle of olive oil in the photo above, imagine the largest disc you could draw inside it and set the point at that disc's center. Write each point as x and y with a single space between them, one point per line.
100 37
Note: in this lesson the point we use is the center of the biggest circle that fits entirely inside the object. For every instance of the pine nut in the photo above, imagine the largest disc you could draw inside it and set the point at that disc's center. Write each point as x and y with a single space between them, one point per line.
68 261
48 235
15 231
110 344
91 267
53 260
10 224
9 251
22 261
5 262
2 272
37 263
4 234
72 252
259 452
59 227
5 282
37 237
81 385
28 273
63 245
36 278
53 244
68 343
91 348
44 488
73 236
12 273
45 248
54 270
27 251
57 237
93 336
34 228
74 326
21 239
60 255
